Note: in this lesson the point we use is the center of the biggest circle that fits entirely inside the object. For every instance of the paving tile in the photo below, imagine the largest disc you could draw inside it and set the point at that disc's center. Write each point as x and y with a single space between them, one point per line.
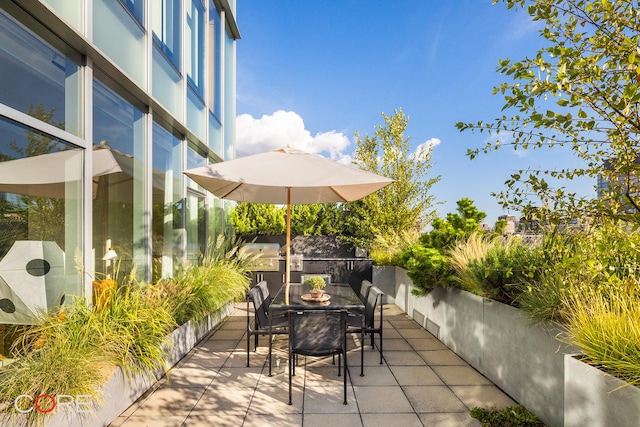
414 333
217 344
386 420
154 420
208 420
324 420
449 420
402 358
382 399
460 375
441 357
374 376
167 401
389 333
405 324
268 420
207 359
229 334
485 396
246 377
224 400
433 399
329 400
396 344
426 343
415 375
190 376
275 400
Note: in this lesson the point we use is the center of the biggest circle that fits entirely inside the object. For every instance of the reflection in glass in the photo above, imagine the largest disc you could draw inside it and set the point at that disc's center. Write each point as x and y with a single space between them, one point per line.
167 225
37 79
40 227
118 204
196 229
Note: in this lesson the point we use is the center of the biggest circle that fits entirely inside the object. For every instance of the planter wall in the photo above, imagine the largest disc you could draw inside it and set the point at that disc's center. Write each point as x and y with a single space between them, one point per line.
590 399
526 361
121 392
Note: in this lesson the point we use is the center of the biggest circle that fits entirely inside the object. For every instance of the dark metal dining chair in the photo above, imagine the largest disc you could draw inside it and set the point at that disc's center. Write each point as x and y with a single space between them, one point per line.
363 292
263 323
367 324
318 333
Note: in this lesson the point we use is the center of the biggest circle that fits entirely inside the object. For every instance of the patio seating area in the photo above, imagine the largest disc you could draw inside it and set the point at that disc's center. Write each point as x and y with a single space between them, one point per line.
420 383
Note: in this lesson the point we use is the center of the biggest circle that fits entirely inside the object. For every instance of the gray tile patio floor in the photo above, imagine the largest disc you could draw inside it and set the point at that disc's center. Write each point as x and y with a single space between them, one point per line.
420 383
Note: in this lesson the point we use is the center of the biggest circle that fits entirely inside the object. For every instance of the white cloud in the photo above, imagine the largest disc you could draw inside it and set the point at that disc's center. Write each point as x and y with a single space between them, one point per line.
284 128
425 148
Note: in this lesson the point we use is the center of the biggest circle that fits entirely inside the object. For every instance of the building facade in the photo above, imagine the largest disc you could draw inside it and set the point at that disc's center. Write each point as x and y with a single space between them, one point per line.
103 104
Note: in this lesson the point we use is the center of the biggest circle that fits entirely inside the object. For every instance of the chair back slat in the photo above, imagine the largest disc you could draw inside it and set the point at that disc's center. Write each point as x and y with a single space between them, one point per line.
373 299
363 292
260 312
317 332
266 297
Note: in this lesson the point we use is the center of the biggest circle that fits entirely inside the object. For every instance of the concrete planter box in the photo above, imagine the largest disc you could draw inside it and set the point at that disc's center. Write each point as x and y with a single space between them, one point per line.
121 392
524 360
597 399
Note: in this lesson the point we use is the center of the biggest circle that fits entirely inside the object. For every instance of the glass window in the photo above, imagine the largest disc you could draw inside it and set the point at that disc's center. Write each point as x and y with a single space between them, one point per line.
136 7
38 79
40 226
196 228
71 11
118 35
166 28
194 60
196 114
118 204
214 62
167 84
167 227
215 135
195 220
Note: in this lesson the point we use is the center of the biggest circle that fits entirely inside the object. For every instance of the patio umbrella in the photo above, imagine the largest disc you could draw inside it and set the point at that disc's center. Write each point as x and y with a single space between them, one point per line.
285 177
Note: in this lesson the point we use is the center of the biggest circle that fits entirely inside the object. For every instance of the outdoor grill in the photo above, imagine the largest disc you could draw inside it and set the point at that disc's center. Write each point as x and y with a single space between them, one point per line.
268 256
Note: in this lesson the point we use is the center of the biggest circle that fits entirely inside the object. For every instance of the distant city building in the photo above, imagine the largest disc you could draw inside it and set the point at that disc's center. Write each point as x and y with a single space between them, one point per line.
511 223
626 183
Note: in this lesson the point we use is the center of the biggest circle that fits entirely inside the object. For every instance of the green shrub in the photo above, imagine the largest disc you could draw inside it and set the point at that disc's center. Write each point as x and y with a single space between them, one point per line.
493 267
427 268
514 416
387 249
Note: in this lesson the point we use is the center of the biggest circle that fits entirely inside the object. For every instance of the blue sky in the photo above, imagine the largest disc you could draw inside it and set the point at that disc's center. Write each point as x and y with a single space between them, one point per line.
312 73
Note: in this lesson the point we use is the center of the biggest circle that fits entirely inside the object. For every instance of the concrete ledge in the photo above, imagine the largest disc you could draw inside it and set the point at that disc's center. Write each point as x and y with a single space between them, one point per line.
524 360
590 399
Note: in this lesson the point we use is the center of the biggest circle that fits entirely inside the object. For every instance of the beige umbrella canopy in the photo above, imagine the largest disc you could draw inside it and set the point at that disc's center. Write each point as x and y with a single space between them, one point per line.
287 176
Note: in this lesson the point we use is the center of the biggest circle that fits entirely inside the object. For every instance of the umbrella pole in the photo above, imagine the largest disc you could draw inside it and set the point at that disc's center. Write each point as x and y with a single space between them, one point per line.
287 267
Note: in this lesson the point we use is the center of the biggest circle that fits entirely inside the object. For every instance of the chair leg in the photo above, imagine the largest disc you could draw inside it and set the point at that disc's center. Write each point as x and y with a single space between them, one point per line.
290 374
362 353
270 348
339 362
344 374
248 346
381 345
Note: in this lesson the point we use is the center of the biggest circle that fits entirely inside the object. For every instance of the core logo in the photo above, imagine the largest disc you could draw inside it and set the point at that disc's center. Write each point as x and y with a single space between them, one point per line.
46 403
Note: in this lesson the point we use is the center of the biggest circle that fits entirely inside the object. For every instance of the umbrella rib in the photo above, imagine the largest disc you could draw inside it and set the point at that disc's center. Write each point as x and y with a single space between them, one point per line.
339 195
230 191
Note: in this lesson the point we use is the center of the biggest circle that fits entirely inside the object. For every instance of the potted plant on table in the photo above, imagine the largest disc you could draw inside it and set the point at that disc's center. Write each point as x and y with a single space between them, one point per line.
317 286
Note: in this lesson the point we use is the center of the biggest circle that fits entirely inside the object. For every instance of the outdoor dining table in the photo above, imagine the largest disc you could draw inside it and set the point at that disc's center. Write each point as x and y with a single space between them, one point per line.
342 297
